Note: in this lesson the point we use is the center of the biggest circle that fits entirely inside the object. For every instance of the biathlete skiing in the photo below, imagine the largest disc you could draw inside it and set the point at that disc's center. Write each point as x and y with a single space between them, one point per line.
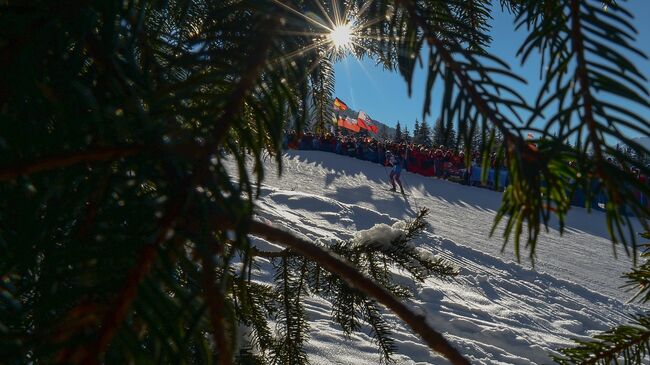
397 162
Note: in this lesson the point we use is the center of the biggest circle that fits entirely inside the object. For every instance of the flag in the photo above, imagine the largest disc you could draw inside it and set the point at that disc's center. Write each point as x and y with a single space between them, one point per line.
348 124
532 145
361 120
373 125
364 121
340 105
352 124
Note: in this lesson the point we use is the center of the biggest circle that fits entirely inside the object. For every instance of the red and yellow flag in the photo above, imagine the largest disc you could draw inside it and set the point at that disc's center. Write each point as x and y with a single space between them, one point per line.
340 105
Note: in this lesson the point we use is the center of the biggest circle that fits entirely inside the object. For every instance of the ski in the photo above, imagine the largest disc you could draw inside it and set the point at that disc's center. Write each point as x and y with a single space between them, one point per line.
397 192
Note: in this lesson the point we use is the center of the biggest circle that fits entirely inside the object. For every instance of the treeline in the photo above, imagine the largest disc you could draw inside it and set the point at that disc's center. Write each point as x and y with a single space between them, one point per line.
440 134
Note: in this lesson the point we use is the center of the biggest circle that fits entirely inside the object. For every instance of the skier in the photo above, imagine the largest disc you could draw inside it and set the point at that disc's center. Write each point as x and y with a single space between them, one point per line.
396 161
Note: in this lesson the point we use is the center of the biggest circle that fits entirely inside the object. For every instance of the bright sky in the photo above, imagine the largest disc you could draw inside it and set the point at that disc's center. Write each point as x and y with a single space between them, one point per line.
384 95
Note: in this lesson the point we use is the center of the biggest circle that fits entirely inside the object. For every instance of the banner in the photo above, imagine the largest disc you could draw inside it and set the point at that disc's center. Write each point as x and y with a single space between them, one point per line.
349 124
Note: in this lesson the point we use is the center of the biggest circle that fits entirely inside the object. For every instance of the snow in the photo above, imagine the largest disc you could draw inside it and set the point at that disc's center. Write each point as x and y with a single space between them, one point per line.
496 311
380 234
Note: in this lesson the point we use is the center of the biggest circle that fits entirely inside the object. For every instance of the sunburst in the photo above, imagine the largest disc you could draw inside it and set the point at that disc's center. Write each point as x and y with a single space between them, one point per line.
335 32
342 36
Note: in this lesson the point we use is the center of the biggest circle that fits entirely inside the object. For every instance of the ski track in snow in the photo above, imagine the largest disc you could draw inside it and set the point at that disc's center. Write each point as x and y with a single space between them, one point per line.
496 311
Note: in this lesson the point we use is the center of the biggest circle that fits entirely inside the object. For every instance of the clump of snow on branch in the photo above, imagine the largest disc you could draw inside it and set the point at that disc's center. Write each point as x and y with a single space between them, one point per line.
381 235
426 255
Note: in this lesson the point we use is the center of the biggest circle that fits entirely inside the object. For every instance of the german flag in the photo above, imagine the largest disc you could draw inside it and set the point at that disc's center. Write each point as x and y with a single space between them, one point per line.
338 104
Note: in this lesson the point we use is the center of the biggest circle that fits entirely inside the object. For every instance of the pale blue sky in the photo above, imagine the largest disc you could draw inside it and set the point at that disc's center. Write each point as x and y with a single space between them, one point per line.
384 96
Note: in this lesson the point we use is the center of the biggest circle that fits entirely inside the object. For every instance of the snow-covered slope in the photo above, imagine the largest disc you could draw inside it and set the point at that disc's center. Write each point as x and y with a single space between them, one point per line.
496 311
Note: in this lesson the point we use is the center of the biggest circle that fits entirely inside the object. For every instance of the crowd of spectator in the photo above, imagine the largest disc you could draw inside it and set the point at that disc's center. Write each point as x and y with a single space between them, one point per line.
436 161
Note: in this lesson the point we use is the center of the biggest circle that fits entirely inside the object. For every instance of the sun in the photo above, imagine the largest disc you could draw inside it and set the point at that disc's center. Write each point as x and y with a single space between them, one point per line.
341 36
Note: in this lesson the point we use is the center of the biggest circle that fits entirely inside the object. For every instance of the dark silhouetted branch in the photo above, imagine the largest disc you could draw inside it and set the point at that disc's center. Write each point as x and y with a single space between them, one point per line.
354 278
65 160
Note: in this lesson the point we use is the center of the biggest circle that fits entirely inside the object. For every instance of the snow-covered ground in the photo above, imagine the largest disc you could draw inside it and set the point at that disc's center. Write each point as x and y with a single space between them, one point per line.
496 311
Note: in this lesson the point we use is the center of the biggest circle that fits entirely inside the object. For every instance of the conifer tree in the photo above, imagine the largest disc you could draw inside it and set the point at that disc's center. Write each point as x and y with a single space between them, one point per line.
469 140
450 135
425 134
383 133
398 133
444 135
322 81
416 133
438 133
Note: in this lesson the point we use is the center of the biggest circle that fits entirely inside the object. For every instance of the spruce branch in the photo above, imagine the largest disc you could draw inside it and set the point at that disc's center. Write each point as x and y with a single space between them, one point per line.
94 201
380 330
113 319
639 277
254 306
271 254
215 298
292 323
584 59
100 154
65 160
443 48
472 99
373 256
250 76
630 343
354 278
399 251
585 88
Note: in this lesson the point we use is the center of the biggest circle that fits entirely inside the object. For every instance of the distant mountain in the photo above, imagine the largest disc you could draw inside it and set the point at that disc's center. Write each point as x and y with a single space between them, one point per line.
643 141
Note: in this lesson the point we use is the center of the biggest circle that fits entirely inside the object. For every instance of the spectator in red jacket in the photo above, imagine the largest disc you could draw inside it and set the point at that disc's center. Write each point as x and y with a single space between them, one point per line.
427 163
438 155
